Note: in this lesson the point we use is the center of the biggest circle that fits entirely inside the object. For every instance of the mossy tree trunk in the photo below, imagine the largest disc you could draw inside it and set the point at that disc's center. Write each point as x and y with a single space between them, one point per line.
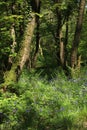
23 55
13 36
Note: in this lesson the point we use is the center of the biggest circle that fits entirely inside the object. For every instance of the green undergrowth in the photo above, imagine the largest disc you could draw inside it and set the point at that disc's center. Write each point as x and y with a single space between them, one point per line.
36 103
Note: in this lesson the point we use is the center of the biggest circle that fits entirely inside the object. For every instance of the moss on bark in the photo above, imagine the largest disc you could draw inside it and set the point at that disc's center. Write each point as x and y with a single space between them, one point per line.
22 57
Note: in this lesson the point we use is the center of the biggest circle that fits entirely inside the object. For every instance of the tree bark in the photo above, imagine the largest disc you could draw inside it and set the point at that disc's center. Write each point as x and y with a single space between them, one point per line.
66 42
36 5
23 55
77 34
61 49
37 42
60 43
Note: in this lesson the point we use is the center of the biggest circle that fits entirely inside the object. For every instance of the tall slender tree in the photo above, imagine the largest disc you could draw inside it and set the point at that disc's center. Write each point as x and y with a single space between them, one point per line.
77 34
36 5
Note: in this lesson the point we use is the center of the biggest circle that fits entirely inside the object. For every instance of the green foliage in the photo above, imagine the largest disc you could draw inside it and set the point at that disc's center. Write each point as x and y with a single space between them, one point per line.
43 99
57 104
12 13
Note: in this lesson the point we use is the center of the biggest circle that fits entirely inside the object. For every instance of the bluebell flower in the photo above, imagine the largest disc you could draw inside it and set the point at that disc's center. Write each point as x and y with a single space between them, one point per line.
27 110
85 84
15 110
62 109
15 102
76 102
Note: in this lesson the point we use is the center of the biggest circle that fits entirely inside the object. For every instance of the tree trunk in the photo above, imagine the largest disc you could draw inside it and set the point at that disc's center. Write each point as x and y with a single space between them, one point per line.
60 44
36 4
13 36
23 55
65 45
13 45
61 49
37 41
77 34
